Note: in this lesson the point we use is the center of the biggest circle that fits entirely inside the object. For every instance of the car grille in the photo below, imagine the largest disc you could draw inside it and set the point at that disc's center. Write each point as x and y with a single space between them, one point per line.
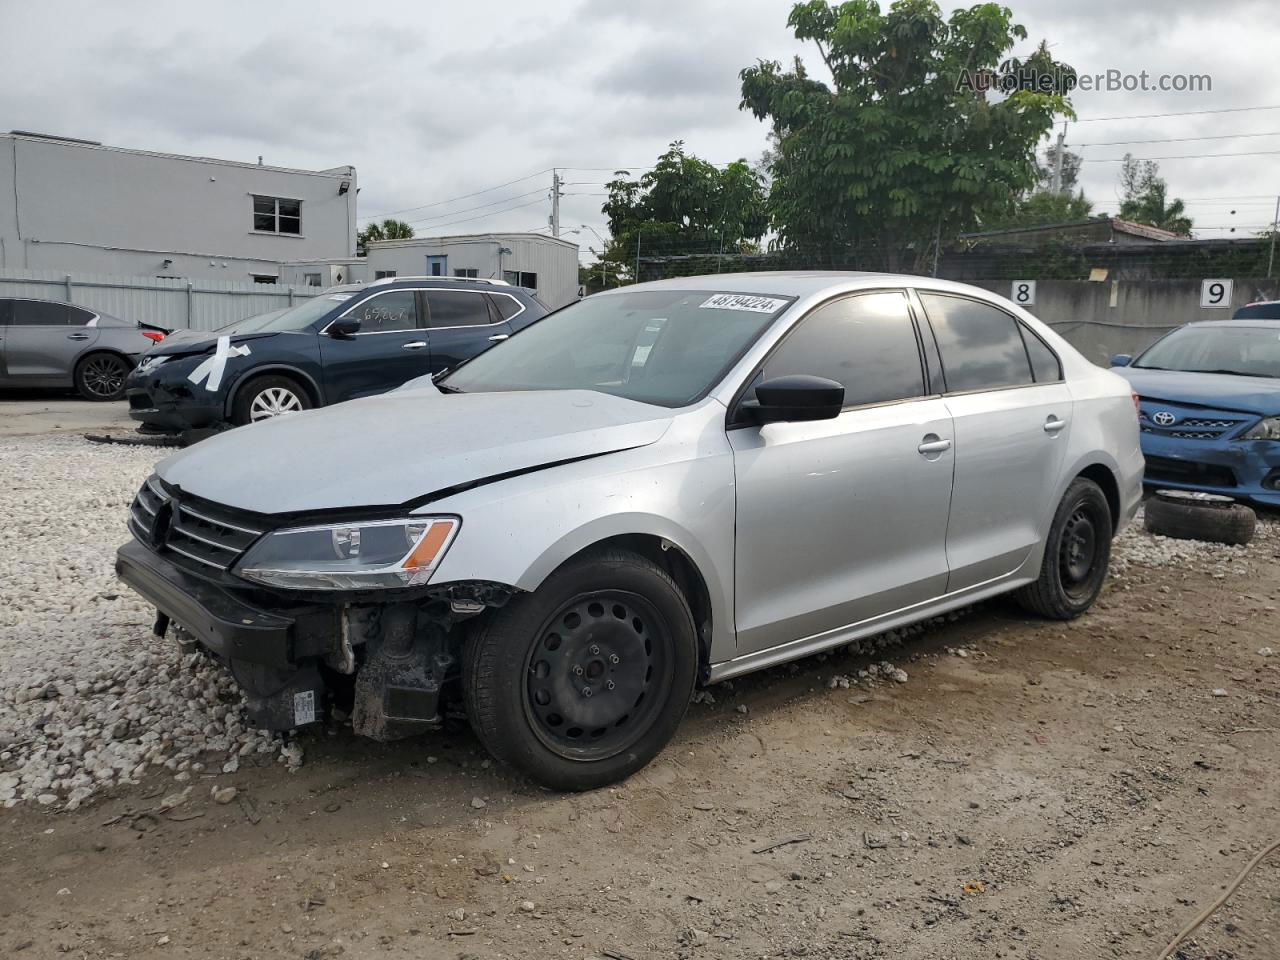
205 536
1184 427
1187 471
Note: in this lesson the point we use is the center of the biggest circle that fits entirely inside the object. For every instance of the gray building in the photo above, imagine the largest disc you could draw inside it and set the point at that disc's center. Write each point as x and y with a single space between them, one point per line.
546 265
79 206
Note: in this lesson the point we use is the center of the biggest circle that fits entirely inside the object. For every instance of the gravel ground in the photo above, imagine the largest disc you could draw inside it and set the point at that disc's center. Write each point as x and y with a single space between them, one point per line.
986 785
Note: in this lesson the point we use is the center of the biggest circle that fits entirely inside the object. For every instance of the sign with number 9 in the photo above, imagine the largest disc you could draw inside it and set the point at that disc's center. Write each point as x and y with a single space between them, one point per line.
1215 293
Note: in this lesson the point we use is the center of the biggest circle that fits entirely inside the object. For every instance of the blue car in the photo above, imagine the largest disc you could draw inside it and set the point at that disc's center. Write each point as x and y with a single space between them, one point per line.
1209 408
348 342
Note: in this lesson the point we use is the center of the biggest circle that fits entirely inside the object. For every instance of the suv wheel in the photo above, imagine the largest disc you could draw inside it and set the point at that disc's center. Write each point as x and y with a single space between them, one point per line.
101 376
581 683
1076 555
267 397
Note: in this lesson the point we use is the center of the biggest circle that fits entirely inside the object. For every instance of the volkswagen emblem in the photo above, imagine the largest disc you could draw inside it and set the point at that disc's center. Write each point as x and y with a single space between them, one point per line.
1164 418
160 528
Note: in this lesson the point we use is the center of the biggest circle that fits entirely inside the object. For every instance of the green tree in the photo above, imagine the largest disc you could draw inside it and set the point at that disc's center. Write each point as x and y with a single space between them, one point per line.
388 229
683 205
1041 205
1146 197
908 144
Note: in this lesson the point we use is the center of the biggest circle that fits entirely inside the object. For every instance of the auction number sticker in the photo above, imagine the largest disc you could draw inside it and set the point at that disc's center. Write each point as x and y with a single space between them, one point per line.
738 301
304 707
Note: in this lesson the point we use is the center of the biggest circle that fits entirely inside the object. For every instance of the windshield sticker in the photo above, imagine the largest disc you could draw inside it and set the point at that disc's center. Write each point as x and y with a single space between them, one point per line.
738 301
341 296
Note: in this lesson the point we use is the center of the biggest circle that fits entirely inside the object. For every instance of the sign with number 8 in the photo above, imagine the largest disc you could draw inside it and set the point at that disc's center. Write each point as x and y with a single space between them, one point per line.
1023 292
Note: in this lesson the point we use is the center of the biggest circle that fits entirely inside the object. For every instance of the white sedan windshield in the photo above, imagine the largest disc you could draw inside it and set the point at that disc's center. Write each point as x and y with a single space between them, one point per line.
666 347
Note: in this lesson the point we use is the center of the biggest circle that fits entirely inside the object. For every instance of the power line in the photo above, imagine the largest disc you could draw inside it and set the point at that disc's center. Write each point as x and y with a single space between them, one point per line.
494 213
1185 156
465 196
1220 136
518 196
1185 113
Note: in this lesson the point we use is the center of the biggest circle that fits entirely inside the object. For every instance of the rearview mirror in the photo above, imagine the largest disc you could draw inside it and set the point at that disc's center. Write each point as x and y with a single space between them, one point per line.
794 398
1121 360
344 327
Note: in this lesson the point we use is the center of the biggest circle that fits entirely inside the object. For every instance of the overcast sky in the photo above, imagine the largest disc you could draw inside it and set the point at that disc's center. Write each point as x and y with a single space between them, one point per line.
432 101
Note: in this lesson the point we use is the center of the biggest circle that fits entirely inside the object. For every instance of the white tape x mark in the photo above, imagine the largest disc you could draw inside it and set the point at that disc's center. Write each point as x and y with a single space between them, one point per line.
211 369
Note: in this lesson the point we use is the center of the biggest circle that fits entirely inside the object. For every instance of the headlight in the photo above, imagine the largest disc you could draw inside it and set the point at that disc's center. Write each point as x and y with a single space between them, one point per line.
351 556
150 363
1266 429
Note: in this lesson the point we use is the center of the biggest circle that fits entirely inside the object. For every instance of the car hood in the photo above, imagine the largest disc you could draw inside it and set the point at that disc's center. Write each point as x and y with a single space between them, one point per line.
1219 390
388 450
200 341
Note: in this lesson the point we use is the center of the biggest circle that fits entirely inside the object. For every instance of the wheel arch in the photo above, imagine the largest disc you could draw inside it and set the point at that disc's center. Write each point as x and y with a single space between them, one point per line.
1105 478
307 381
94 350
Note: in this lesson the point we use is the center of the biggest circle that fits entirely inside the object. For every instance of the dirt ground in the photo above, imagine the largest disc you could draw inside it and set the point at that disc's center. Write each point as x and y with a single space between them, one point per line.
1057 791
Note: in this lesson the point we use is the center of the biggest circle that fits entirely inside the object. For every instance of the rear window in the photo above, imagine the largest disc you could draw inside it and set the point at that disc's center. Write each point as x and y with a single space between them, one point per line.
981 346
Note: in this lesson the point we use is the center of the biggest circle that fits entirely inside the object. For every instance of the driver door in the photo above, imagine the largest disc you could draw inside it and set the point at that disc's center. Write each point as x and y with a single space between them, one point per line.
842 521
391 347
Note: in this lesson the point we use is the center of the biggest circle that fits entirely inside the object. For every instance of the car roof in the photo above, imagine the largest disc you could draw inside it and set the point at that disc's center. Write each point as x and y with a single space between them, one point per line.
797 283
1264 322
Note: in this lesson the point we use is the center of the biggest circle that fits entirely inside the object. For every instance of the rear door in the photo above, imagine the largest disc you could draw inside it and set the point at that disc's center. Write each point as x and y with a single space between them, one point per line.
1012 416
463 323
391 347
43 340
842 521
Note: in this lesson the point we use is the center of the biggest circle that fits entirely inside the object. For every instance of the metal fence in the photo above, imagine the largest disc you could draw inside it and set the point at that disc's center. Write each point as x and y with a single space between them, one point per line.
166 302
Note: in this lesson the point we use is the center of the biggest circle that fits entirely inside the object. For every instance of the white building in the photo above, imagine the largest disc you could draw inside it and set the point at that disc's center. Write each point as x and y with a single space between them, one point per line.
325 273
79 206
546 265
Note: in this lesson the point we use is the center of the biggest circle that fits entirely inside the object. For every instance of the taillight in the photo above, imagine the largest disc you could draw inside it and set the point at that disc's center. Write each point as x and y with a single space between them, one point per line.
153 336
1137 408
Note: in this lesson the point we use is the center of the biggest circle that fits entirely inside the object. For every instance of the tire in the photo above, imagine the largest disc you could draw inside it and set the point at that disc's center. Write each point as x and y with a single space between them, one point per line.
1076 554
1186 518
256 399
592 625
100 376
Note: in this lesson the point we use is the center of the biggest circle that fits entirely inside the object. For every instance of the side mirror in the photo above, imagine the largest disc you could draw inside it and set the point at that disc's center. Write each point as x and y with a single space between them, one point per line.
344 327
794 398
1121 360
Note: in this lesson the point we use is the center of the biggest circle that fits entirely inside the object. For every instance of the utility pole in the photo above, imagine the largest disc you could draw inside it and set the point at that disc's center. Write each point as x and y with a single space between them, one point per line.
1057 159
555 203
1275 224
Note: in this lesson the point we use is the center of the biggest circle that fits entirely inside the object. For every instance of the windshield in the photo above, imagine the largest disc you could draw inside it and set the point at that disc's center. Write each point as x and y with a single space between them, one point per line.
305 313
666 347
1249 351
251 324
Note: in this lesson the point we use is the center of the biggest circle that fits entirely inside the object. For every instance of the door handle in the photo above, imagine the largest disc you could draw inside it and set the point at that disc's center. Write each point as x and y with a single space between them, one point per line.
936 445
77 336
1053 425
414 345
498 336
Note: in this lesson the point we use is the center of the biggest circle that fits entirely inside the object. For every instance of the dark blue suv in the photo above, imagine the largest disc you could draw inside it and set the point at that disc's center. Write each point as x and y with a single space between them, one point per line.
350 341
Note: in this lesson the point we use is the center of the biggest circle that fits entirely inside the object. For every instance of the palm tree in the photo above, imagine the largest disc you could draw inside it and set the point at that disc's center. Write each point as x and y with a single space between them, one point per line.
388 229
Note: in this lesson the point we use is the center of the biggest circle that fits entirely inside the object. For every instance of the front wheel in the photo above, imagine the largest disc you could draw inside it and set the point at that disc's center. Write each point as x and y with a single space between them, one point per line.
269 396
583 682
1076 554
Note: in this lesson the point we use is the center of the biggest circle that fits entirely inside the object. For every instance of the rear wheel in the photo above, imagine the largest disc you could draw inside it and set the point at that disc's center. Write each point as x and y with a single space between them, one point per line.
581 683
1076 554
101 376
270 396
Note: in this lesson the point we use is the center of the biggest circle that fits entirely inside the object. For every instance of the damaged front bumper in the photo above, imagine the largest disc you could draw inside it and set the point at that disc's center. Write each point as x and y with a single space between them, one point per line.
385 662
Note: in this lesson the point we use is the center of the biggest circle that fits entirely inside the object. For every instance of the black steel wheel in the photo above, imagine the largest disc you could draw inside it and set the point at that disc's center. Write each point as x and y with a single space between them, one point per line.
582 682
101 376
1076 555
591 674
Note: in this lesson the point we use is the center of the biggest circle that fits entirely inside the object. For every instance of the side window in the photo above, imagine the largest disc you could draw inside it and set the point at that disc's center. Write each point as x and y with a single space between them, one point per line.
78 317
456 308
395 310
866 342
981 347
6 312
1044 362
507 306
39 313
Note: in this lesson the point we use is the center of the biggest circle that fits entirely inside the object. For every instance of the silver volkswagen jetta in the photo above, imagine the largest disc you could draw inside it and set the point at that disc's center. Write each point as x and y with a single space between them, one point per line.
666 484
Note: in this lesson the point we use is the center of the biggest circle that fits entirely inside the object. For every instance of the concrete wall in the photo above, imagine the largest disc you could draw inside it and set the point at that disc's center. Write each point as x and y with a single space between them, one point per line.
331 272
79 207
1125 316
554 261
172 303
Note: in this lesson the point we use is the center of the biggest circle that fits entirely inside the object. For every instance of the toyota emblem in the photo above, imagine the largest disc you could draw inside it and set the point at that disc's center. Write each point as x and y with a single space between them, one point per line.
1164 418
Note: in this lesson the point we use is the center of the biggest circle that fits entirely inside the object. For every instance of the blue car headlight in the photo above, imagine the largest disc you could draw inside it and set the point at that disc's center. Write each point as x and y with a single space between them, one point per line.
359 555
1268 428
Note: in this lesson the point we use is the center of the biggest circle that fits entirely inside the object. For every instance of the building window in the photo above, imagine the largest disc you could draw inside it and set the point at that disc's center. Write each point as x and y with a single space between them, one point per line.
311 279
266 278
469 273
277 215
521 278
383 274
